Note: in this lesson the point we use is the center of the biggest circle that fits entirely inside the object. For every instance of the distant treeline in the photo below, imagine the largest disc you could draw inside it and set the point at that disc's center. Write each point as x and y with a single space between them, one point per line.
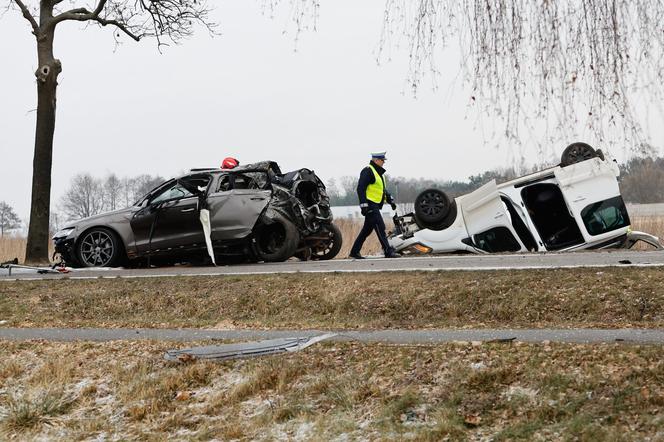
88 195
641 181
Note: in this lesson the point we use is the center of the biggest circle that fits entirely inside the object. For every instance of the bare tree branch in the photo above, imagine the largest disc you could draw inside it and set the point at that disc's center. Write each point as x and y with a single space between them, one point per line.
28 16
568 64
173 19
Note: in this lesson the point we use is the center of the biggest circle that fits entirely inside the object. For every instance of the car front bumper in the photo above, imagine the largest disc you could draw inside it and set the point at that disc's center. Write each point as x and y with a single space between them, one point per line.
65 247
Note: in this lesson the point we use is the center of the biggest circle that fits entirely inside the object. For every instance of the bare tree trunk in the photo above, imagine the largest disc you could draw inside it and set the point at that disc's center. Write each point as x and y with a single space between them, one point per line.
47 83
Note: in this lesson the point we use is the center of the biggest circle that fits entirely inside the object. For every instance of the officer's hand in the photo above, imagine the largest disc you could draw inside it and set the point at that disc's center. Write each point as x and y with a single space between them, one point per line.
393 206
364 210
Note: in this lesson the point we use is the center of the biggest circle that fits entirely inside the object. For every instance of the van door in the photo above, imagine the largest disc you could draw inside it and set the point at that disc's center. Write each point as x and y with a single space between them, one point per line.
591 191
487 220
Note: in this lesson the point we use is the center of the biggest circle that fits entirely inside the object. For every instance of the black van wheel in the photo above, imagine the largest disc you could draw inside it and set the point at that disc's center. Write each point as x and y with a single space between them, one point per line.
434 209
577 152
277 240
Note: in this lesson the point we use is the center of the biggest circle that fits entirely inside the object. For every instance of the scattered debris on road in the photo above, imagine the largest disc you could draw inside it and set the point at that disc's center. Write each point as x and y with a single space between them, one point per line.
245 350
12 267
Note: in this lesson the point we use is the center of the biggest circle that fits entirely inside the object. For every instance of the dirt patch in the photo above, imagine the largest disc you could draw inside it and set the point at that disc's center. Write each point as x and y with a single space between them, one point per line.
124 390
528 298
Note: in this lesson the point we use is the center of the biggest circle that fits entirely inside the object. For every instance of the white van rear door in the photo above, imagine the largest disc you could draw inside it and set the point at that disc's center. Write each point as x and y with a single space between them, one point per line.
584 184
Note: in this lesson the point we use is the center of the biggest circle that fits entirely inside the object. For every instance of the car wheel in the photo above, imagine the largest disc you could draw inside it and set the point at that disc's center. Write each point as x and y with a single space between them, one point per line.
276 241
330 248
99 247
577 152
433 209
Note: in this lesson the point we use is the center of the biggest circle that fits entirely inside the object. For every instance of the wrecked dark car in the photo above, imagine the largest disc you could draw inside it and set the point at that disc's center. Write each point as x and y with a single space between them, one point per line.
255 213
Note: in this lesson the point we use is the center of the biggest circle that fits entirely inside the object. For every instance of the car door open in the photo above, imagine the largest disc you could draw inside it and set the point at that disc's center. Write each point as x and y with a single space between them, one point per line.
593 196
487 220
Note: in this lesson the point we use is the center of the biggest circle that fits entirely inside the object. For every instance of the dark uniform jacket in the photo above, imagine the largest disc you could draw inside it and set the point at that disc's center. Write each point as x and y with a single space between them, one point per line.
367 177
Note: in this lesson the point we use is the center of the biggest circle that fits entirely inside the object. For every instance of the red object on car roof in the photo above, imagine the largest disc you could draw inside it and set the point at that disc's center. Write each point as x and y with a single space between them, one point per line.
229 163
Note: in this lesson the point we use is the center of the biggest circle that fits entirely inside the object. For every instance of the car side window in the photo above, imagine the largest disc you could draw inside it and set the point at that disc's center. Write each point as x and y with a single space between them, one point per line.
497 239
605 216
248 180
177 191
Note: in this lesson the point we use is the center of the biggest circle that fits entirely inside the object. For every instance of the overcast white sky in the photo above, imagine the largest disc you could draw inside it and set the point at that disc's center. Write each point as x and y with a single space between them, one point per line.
246 93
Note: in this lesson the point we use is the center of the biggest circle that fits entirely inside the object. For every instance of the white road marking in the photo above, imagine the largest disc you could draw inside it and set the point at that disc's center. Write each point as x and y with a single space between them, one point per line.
292 272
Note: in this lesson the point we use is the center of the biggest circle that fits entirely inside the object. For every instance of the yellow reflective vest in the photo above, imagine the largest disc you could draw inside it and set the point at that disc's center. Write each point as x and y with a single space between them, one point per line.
376 190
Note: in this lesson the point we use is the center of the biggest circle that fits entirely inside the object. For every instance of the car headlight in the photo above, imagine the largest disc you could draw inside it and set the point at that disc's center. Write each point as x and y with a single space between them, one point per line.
417 248
63 233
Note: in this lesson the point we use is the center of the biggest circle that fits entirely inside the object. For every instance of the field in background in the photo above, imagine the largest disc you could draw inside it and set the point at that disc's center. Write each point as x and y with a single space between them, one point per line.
649 224
350 227
12 247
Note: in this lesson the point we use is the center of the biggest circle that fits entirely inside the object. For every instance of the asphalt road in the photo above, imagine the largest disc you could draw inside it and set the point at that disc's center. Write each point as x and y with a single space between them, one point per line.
630 336
614 258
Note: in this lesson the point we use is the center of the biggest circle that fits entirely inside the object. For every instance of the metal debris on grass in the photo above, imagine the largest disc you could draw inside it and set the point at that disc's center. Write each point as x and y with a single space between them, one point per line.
245 350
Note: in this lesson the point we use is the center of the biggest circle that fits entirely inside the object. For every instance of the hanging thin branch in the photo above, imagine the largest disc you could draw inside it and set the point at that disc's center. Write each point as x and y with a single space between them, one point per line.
576 61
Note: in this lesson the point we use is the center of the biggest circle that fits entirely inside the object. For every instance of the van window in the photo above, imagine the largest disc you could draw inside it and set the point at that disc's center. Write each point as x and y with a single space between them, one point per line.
605 216
498 239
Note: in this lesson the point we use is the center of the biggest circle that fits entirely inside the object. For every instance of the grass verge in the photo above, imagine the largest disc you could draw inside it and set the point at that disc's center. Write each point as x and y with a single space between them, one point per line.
615 297
124 390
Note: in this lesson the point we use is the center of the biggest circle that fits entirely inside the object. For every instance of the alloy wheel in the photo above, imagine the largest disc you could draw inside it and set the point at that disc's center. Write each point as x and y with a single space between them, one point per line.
97 249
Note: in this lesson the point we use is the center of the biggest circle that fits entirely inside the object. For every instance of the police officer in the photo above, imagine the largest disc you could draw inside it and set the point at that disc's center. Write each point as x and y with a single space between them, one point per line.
372 192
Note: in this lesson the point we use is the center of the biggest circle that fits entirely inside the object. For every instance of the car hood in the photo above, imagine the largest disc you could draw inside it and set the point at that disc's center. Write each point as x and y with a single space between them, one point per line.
103 218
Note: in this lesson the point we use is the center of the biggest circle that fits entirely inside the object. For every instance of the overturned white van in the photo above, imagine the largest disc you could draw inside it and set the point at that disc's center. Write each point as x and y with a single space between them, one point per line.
574 205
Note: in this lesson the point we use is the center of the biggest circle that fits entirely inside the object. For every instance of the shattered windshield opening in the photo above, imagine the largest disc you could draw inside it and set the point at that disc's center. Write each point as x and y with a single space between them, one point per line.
605 216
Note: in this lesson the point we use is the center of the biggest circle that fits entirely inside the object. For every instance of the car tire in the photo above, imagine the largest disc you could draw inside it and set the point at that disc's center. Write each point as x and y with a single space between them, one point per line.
276 240
99 247
577 152
434 209
449 219
330 249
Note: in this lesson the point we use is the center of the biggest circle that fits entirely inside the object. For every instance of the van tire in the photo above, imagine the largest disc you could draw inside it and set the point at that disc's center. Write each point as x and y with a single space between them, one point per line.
434 210
577 152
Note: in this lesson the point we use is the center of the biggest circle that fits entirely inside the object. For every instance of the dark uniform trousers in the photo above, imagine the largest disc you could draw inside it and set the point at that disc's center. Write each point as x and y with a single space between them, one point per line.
373 222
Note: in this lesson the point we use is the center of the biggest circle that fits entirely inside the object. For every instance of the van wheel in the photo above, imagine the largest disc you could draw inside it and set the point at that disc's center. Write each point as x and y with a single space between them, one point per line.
577 152
434 209
277 240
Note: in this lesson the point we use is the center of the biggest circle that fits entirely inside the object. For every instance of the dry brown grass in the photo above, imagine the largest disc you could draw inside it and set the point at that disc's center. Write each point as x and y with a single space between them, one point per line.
649 224
125 391
350 227
611 297
14 247
11 247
